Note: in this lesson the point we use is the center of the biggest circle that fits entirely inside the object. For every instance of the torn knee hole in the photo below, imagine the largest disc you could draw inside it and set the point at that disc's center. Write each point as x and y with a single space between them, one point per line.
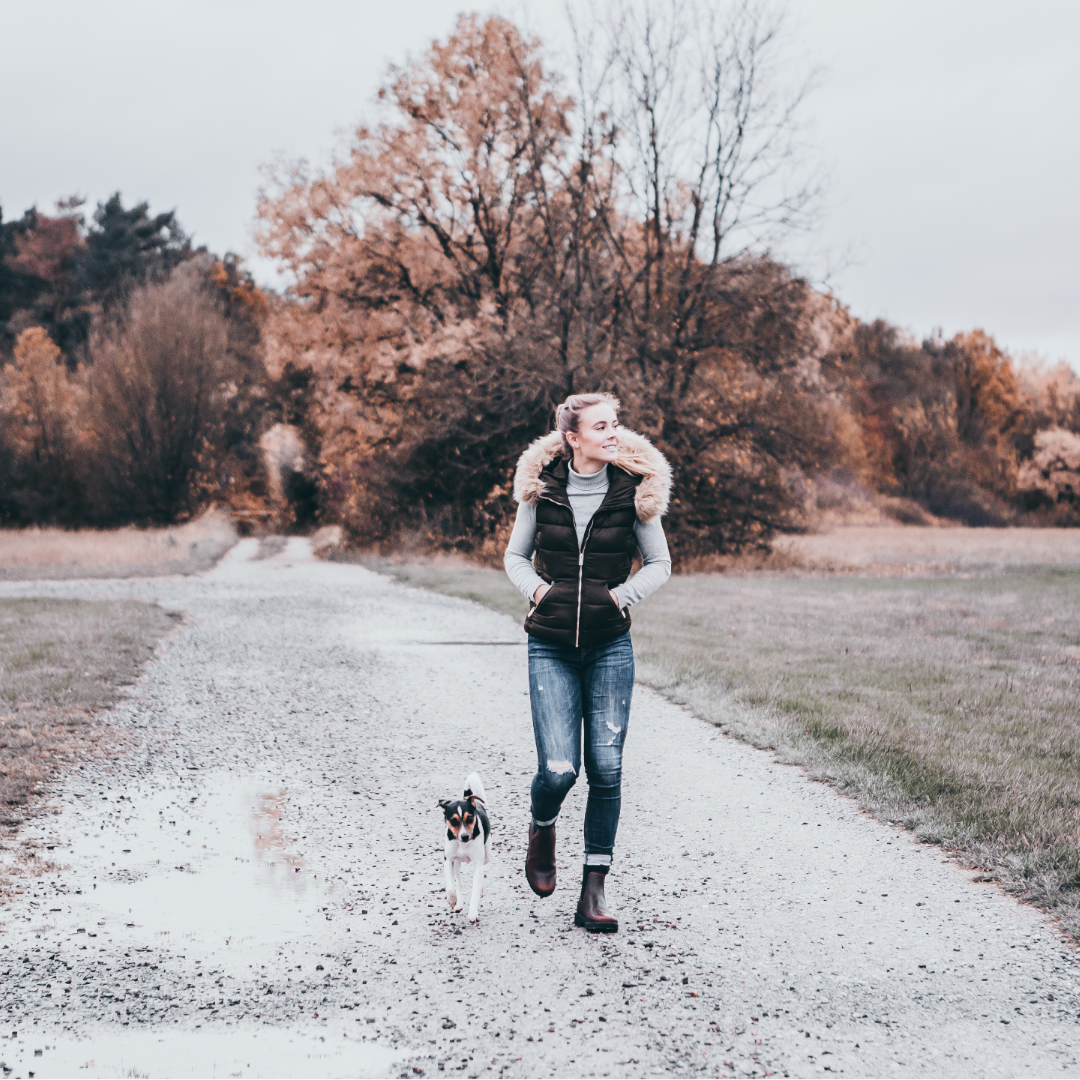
559 766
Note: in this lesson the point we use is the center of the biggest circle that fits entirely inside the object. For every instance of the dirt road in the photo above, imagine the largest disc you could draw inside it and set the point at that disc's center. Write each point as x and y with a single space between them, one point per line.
256 887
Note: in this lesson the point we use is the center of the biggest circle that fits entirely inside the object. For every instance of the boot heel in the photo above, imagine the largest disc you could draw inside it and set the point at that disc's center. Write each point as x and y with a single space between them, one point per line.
606 927
592 912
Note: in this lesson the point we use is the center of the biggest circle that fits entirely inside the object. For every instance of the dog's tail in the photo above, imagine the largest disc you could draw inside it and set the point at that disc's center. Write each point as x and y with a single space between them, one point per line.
474 787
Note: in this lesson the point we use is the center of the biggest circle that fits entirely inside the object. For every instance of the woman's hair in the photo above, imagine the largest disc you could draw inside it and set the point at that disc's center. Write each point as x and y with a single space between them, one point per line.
568 414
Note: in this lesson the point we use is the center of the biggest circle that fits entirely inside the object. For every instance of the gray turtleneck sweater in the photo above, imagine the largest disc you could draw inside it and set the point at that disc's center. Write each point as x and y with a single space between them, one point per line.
586 493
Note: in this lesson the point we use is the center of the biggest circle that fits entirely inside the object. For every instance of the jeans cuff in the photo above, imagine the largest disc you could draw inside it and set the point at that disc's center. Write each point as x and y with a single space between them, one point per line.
545 824
597 860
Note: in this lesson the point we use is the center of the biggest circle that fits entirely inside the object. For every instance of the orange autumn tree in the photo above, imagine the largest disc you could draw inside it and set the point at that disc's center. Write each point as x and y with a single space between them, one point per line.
40 406
484 251
412 264
943 423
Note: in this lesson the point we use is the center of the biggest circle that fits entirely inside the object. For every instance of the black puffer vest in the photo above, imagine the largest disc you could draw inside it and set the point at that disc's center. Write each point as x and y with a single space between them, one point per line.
578 609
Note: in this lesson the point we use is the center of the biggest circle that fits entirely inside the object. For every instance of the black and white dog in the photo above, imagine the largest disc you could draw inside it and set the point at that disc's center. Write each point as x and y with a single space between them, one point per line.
468 839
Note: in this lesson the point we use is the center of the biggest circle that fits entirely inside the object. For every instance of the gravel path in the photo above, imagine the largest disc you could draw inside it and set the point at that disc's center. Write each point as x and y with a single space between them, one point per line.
256 888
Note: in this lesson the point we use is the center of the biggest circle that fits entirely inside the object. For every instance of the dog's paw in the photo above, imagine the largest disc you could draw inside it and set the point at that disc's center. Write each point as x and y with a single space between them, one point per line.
451 899
474 917
459 907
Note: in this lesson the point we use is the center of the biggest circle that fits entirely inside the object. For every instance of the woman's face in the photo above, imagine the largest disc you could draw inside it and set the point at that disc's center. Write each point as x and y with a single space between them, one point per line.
596 441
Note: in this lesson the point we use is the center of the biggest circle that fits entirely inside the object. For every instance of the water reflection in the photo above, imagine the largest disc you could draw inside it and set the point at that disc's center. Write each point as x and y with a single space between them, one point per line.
271 843
220 868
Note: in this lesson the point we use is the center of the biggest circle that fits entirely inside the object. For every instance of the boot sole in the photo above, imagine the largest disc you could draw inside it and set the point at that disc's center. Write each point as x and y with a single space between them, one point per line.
595 927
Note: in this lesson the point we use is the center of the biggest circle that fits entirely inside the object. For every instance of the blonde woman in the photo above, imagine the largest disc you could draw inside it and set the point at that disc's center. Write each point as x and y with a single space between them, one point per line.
589 495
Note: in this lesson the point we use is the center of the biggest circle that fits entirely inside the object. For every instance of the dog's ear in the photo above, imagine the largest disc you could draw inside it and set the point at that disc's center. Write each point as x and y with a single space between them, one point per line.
474 799
443 804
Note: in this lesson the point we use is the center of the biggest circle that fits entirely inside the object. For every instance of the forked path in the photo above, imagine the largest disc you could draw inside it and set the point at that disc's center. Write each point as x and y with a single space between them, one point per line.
255 885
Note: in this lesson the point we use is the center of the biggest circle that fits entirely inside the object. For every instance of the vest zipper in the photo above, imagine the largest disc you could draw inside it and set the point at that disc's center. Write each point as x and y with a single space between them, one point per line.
580 573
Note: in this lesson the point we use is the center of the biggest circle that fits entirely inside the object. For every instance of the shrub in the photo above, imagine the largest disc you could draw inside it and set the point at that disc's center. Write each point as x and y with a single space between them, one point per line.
159 383
1053 474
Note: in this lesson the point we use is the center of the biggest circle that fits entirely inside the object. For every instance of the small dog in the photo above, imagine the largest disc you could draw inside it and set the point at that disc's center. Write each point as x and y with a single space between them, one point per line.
468 839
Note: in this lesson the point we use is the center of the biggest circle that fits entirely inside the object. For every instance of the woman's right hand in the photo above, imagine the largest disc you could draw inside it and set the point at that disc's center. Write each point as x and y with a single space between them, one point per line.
541 590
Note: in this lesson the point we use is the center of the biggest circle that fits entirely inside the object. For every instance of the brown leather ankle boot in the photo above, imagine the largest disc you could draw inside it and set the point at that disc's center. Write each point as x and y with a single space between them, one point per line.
540 861
592 912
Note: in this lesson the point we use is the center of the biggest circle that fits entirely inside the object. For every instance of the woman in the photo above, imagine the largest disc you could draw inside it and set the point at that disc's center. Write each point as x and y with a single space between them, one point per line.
588 494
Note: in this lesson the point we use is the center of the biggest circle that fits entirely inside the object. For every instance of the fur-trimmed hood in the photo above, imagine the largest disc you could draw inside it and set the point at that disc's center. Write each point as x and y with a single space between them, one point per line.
637 456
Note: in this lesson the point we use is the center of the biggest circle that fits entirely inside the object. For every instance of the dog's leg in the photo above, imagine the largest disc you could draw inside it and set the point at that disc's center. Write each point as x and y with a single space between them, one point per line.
477 889
487 859
459 893
451 890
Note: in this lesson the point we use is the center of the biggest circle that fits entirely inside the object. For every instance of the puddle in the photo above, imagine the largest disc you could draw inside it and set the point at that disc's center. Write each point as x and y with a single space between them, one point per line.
218 867
257 1053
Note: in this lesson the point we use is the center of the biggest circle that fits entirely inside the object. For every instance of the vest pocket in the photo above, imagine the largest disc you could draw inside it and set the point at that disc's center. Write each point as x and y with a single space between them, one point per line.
599 610
545 598
557 609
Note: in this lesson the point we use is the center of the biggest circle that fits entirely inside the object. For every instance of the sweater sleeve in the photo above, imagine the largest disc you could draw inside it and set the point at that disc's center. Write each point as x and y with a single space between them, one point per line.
519 552
656 564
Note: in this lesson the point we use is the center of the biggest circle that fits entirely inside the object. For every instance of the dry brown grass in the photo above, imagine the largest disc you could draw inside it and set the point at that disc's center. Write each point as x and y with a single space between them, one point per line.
926 550
946 704
61 663
36 554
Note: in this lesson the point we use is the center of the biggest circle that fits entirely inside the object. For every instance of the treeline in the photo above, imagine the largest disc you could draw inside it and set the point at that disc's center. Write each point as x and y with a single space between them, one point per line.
132 387
495 243
956 427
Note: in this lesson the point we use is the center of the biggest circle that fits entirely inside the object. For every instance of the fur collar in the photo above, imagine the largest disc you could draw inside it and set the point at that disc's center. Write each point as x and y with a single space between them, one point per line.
637 456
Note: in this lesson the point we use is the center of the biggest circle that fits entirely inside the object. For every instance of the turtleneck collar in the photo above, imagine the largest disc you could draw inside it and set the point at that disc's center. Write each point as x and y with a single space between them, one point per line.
597 481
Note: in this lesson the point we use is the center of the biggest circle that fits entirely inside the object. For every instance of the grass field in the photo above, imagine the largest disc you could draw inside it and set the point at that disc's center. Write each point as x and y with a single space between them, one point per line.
921 550
35 554
62 661
948 704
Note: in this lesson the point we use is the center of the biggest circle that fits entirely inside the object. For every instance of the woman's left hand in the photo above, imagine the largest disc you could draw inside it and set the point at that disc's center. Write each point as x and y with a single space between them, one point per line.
611 593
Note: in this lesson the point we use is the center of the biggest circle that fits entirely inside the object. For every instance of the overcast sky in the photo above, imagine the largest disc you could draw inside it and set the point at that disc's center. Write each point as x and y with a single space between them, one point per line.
950 130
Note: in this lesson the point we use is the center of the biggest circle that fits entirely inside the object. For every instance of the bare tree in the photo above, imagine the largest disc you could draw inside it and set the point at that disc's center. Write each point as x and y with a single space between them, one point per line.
700 129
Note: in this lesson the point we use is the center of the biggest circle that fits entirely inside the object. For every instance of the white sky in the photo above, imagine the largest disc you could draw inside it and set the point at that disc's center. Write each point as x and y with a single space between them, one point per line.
950 128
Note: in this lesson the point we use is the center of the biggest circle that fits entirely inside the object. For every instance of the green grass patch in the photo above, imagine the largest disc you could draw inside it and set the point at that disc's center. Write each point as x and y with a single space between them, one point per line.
950 705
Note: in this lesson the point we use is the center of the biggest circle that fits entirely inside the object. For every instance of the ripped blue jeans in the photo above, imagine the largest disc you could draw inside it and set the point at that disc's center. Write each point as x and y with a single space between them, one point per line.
569 687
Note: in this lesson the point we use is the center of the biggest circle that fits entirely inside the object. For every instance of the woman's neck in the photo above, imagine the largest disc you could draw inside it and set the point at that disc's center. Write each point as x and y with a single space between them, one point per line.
585 467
